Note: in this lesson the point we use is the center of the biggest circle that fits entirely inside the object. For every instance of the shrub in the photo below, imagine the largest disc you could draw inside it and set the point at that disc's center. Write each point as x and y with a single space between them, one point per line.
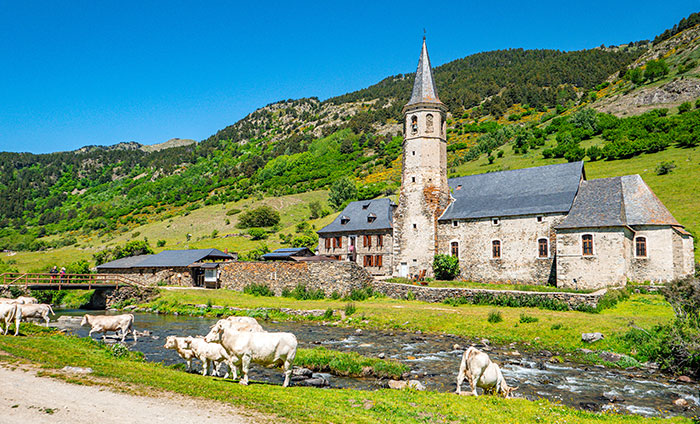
495 317
257 233
499 154
342 190
359 295
445 267
160 243
350 309
612 297
263 216
233 211
557 326
258 290
300 292
490 159
525 318
684 107
665 167
328 314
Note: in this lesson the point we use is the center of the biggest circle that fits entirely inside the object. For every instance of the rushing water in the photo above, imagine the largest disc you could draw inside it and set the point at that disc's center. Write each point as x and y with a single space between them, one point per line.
435 362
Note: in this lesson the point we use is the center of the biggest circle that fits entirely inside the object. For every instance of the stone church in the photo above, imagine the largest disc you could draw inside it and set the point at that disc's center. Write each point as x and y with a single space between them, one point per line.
543 225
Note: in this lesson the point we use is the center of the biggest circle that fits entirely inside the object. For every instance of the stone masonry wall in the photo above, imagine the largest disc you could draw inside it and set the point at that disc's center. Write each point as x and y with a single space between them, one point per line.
335 276
386 250
151 277
658 265
439 294
519 235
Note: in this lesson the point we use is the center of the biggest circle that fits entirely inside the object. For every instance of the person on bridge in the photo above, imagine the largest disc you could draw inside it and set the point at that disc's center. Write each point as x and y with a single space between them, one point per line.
53 272
62 275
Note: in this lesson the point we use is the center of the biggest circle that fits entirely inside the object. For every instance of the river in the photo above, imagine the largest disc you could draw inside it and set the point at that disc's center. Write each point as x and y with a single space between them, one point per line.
434 361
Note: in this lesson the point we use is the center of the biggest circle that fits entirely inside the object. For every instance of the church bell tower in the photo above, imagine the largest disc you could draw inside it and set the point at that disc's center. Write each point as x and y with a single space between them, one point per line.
424 192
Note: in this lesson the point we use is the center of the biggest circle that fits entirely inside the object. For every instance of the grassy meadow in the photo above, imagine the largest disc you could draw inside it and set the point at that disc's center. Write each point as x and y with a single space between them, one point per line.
130 373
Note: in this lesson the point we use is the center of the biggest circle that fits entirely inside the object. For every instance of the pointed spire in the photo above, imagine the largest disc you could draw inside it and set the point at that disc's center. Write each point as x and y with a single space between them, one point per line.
424 90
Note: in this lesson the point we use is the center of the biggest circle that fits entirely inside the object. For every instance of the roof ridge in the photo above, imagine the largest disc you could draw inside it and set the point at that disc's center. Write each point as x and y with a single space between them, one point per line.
520 169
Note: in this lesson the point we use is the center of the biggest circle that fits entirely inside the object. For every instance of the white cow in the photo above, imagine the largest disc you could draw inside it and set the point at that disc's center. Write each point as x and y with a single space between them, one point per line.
10 312
39 311
210 354
480 371
27 300
104 323
244 347
178 345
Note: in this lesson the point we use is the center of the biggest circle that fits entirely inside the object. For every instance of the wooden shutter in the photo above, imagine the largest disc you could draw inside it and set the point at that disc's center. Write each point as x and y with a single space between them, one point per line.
380 240
378 260
328 243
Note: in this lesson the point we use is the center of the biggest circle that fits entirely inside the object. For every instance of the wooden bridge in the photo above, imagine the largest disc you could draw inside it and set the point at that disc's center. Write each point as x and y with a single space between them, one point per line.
47 281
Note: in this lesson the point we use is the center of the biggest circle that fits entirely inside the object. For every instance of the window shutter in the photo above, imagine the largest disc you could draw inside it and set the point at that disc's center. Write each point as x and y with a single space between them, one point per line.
379 261
380 240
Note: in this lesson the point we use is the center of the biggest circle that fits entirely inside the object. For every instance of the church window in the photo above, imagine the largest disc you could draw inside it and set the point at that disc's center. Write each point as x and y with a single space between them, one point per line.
429 123
641 247
413 179
380 240
414 152
414 124
496 221
587 242
543 248
415 226
496 249
454 249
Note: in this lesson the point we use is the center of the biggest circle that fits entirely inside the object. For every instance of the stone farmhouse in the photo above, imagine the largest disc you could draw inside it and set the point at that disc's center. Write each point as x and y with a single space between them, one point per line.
543 225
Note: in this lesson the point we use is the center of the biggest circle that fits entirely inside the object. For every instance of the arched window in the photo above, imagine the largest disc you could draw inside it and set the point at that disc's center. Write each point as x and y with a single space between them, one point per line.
496 249
429 123
587 243
414 124
543 248
454 249
641 247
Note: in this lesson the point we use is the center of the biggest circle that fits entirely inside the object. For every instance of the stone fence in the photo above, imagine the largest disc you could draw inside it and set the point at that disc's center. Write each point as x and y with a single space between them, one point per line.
439 294
331 276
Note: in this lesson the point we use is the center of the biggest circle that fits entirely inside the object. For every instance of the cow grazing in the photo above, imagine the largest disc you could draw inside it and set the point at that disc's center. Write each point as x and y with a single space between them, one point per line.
178 345
104 323
10 312
244 347
210 354
38 311
480 371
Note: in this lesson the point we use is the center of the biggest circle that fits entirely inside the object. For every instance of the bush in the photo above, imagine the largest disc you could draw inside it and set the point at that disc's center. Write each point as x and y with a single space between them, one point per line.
664 168
684 107
612 297
258 290
300 292
233 211
359 295
445 267
263 216
257 233
350 309
495 317
160 243
342 190
255 254
132 248
525 318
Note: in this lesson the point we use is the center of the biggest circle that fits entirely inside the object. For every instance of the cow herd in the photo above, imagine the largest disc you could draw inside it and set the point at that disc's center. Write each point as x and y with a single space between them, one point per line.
239 341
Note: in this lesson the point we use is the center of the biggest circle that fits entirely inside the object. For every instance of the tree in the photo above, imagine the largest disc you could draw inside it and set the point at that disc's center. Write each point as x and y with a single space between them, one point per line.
635 75
445 267
309 240
342 190
257 233
684 107
132 248
655 69
263 216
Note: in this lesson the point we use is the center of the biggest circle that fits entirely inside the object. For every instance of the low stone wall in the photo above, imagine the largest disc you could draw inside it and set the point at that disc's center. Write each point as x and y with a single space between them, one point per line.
340 277
439 294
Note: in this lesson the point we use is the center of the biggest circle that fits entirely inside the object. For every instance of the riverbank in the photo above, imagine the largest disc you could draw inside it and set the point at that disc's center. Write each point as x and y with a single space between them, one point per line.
53 351
532 329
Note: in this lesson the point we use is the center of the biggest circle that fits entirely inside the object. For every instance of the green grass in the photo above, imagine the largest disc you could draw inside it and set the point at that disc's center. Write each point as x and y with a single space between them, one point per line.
643 310
490 286
300 404
348 364
677 190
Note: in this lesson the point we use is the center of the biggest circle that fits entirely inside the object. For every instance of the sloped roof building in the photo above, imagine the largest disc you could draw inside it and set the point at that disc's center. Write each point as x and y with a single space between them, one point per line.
542 225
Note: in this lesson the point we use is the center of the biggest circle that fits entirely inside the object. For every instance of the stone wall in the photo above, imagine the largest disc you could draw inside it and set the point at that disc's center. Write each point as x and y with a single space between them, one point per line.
687 253
439 294
606 267
334 276
153 276
519 235
658 264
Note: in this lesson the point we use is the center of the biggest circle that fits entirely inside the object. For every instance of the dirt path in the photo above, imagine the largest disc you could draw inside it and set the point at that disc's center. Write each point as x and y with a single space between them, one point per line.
26 398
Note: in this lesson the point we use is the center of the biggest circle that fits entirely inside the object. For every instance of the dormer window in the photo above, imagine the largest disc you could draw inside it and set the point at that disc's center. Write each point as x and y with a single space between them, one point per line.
365 206
459 187
371 217
344 220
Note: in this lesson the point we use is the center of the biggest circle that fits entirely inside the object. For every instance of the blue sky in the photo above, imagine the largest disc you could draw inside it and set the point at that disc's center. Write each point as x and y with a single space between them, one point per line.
90 72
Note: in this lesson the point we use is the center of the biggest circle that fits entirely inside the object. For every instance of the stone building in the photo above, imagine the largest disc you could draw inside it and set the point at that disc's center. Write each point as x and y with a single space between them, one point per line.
544 225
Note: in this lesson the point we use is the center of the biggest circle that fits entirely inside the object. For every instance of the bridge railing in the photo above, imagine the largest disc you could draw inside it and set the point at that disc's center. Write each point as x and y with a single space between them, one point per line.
33 278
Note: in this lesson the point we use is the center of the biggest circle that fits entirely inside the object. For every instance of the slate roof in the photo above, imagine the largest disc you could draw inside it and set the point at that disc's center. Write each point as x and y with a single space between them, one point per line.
287 253
167 259
357 212
424 90
617 201
540 190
